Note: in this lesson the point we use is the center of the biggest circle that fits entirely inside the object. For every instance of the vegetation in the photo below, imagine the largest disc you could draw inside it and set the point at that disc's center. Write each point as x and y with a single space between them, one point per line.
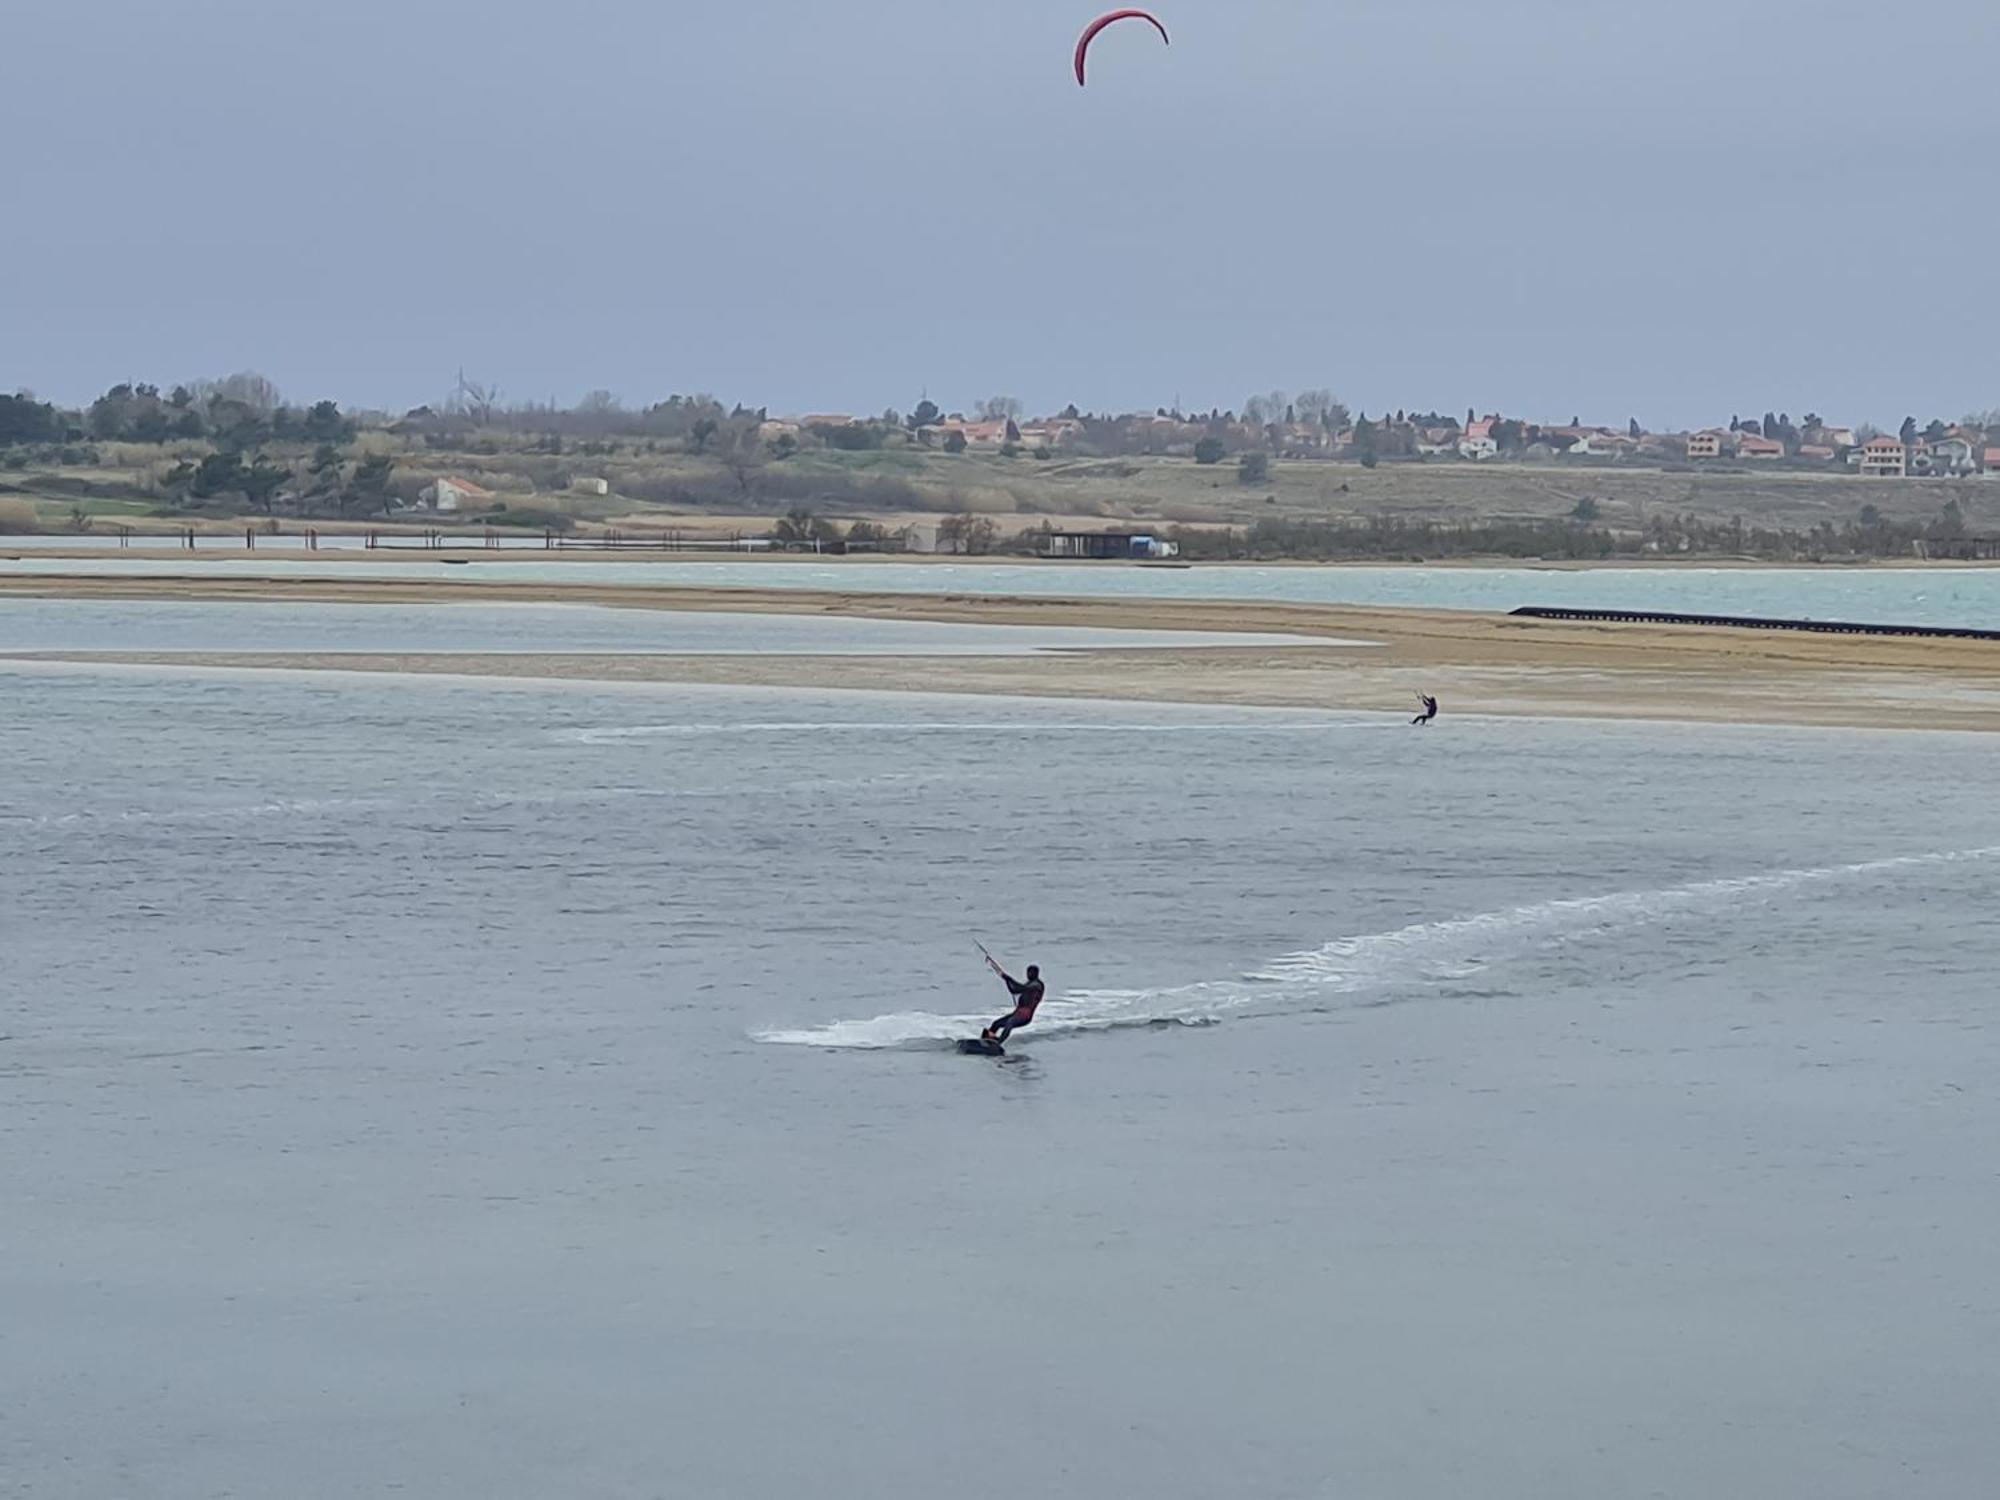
219 451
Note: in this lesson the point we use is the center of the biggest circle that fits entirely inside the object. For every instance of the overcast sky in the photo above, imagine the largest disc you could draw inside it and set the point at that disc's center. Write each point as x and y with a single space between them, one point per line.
1550 207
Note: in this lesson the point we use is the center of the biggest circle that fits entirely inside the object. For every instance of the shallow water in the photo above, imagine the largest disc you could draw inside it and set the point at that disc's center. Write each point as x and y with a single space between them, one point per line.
149 625
1968 597
520 1090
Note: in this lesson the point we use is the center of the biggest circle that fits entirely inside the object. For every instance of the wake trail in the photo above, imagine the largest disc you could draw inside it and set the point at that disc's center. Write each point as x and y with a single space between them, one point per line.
1451 948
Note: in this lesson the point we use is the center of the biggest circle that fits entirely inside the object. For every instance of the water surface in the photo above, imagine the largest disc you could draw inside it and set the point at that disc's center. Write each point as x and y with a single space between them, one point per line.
478 1089
1888 595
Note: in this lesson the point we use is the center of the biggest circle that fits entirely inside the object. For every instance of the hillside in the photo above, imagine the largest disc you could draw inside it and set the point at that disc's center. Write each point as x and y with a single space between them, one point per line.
648 485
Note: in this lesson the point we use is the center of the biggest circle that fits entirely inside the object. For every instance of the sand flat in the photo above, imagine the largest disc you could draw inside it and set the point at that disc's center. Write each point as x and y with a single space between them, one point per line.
1493 664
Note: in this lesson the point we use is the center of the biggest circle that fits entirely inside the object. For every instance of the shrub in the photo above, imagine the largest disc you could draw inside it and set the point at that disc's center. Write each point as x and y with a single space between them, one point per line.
533 520
18 518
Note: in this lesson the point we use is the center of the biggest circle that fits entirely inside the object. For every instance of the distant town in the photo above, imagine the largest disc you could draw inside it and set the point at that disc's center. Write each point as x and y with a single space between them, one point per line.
244 413
1941 451
1282 476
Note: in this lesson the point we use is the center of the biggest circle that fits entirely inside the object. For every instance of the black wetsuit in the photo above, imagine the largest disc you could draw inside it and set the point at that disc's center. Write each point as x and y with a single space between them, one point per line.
1430 709
1026 998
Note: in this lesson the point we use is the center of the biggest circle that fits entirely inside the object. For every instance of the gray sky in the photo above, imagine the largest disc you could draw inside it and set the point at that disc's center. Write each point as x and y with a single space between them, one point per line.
1546 206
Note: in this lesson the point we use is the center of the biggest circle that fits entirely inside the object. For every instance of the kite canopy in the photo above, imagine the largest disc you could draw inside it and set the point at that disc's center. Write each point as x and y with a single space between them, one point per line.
1090 34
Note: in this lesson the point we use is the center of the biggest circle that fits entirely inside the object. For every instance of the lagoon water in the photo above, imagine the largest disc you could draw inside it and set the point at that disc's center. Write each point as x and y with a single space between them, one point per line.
491 1089
1935 595
155 625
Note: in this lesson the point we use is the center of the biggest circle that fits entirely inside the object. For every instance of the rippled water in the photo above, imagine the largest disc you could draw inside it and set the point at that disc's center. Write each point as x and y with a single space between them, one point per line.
148 625
1899 595
525 1090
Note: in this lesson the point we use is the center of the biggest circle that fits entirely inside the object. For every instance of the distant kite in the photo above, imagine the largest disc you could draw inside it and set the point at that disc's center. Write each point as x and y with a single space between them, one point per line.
1090 34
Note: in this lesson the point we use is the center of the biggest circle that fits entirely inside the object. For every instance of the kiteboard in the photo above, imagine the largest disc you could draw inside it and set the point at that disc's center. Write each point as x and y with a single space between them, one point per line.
979 1046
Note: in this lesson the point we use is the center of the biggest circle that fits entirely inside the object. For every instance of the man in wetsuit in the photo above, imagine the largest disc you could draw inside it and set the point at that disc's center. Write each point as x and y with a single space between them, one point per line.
1430 709
1026 997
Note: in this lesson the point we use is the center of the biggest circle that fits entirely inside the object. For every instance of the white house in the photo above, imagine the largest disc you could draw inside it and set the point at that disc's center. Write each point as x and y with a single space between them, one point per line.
585 486
1884 458
452 493
1952 455
1478 441
1601 444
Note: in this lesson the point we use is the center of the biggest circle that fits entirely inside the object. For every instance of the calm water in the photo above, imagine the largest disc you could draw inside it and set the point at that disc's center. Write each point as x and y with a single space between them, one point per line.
179 625
1910 596
511 1090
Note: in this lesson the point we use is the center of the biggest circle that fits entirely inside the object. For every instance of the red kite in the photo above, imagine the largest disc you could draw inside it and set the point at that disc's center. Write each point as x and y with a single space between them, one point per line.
1090 34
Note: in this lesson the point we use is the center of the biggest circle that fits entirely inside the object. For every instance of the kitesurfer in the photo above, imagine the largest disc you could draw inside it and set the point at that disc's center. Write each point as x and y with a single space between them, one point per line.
1430 709
1027 995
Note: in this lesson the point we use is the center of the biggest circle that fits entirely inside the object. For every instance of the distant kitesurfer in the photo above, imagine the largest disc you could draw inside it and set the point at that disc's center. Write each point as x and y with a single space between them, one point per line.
1027 995
1430 709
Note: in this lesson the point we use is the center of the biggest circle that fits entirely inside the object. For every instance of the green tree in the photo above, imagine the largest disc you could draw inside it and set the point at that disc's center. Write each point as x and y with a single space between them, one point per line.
1365 442
799 527
851 437
262 481
367 490
221 473
1908 431
1585 510
926 414
23 419
1253 468
236 424
1210 450
324 424
110 415
954 441
971 535
868 535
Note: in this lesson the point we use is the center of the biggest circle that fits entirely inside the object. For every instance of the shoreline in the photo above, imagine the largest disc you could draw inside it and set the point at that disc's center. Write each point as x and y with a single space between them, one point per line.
1476 663
273 549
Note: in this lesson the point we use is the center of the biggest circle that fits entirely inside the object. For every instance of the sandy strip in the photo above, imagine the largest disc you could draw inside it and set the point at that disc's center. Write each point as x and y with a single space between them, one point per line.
1474 663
